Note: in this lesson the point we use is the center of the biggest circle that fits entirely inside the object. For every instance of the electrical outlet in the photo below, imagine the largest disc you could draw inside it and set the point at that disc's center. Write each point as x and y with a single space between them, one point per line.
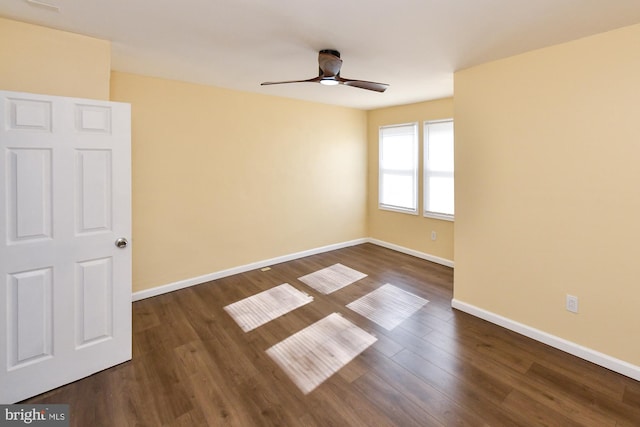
572 303
434 235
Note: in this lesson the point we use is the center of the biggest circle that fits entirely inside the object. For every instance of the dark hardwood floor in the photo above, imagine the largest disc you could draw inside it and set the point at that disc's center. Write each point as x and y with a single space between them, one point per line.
193 366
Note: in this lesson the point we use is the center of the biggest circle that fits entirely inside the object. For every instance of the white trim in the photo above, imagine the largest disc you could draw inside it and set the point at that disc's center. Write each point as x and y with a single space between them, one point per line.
163 289
428 173
398 209
436 215
416 166
418 254
616 365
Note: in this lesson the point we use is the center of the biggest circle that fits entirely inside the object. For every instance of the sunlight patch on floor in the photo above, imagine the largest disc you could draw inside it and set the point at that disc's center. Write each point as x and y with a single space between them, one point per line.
332 278
388 306
265 306
313 354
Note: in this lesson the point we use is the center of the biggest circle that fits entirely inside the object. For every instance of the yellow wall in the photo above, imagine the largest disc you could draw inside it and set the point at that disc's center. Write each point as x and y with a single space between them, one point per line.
548 190
224 178
409 231
41 60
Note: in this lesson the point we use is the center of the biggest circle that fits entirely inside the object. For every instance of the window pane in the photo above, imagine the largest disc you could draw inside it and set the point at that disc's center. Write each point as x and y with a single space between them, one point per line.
398 153
398 191
441 192
440 155
438 168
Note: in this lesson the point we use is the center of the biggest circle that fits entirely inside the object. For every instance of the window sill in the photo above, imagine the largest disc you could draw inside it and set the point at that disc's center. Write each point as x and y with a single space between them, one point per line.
400 210
444 217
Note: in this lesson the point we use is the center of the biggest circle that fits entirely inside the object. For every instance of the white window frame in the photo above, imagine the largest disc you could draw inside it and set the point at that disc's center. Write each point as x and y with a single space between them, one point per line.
428 173
382 171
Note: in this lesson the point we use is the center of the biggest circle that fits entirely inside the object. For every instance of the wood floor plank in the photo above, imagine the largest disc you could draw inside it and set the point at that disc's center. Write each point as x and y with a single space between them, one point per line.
339 403
442 408
593 398
538 413
454 377
386 346
394 404
482 346
553 400
631 395
485 404
580 370
194 366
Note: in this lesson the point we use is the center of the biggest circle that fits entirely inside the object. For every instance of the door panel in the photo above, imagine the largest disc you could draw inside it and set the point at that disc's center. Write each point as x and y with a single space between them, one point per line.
93 181
30 317
28 179
28 114
94 291
65 197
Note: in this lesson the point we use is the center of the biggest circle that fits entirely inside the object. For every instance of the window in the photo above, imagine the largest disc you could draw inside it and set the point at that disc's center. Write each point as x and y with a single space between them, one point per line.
438 169
398 174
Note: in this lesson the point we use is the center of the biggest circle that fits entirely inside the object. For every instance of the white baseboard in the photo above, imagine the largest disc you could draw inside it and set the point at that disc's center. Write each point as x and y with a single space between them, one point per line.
163 289
616 365
422 255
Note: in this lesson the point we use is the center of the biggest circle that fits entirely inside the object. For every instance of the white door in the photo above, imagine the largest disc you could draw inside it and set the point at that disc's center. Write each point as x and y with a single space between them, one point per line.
65 198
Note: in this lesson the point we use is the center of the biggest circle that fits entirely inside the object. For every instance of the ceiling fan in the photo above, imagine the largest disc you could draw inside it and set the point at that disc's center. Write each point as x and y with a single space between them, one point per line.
329 63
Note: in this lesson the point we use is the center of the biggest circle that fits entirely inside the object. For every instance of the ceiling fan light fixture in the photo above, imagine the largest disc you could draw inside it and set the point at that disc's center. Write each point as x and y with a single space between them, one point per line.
329 82
329 64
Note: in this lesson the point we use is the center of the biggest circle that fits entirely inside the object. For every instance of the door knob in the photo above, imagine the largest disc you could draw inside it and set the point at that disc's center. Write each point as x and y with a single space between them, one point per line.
121 243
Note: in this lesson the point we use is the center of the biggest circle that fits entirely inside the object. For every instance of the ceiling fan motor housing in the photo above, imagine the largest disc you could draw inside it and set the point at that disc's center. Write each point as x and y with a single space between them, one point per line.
331 52
329 79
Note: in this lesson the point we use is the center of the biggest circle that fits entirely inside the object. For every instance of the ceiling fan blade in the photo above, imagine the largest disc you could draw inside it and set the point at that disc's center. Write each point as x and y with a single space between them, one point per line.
363 84
313 80
329 63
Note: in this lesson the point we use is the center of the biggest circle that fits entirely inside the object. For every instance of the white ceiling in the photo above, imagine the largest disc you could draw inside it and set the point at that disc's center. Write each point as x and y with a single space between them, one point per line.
414 45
